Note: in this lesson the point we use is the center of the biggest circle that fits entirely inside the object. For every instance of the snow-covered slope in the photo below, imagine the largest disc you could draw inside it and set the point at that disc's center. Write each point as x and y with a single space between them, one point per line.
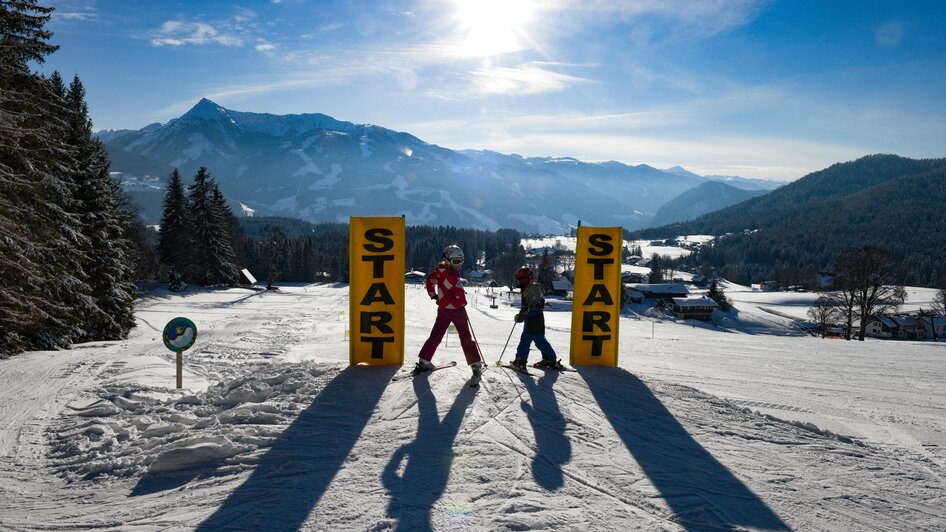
736 424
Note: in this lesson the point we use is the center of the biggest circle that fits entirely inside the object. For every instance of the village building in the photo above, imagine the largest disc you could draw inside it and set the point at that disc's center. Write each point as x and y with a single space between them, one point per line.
414 277
906 327
659 291
694 309
896 327
561 287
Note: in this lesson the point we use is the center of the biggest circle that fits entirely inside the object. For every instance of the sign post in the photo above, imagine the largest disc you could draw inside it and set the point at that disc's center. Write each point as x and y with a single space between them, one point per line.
376 290
179 335
596 303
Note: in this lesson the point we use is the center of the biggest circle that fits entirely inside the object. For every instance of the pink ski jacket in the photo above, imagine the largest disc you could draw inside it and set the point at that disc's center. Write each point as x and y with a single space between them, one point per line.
445 286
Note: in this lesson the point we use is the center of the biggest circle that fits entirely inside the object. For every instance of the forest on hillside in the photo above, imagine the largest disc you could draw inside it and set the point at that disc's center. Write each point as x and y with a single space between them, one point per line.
885 201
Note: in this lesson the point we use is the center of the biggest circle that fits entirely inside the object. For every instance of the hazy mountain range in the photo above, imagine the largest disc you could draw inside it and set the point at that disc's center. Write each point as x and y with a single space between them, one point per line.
701 199
318 168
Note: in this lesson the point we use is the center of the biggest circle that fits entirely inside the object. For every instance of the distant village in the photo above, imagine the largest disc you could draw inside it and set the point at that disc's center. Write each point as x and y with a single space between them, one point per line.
686 295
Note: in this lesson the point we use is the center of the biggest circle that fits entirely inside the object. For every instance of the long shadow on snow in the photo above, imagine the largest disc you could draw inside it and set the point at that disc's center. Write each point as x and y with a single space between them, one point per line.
701 492
428 459
548 425
296 471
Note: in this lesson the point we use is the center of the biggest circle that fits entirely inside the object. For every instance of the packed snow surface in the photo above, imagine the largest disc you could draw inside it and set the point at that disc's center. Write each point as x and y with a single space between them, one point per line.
739 423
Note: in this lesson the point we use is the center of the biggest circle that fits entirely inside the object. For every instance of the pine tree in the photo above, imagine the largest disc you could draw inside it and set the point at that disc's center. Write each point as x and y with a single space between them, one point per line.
211 234
717 294
546 271
277 257
226 226
175 244
108 255
43 293
656 270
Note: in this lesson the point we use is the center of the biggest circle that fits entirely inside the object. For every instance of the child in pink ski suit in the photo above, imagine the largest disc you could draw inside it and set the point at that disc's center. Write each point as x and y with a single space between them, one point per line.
443 286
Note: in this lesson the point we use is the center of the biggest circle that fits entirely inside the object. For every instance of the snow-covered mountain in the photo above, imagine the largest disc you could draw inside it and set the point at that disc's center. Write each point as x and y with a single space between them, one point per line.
318 168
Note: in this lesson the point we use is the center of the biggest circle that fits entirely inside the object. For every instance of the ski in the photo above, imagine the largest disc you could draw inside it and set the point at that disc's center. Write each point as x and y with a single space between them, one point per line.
559 367
415 373
517 370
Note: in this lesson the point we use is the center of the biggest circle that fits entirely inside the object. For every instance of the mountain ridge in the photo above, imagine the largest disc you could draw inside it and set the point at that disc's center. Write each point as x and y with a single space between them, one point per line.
321 169
883 200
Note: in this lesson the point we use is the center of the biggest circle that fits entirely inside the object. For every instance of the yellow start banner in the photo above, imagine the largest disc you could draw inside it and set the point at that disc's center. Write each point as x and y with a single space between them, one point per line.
596 304
376 290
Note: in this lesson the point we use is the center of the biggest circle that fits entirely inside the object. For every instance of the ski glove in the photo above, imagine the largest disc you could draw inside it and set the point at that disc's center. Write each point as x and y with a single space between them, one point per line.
433 296
519 318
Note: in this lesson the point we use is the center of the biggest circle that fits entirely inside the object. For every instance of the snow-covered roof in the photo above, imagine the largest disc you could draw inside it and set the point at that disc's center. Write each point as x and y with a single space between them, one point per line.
695 302
660 288
561 284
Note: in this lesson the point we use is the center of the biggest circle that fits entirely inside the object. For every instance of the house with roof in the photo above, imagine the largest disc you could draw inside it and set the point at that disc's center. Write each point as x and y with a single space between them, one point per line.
561 287
899 327
632 277
697 308
659 291
414 277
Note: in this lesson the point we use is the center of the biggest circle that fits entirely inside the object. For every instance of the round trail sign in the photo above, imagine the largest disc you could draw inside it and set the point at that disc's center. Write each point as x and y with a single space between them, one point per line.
179 334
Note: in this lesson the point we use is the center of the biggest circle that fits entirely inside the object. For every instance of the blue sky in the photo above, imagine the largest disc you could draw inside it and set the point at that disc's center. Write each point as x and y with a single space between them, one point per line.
767 89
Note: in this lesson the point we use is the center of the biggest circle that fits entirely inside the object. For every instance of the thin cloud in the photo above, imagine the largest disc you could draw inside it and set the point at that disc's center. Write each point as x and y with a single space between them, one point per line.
87 14
178 33
527 79
265 47
694 18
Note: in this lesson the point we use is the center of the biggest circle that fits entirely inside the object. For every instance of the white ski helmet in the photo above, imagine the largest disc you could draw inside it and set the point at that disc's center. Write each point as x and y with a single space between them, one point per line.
453 253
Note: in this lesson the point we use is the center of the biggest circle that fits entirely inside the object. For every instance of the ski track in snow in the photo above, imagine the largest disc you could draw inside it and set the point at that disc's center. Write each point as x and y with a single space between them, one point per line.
274 430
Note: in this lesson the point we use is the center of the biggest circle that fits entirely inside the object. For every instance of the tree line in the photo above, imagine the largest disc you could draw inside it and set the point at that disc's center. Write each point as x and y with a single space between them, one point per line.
284 249
68 240
886 201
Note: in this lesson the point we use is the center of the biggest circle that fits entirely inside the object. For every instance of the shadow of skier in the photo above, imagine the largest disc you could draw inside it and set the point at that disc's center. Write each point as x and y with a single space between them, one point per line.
553 449
296 471
702 492
428 459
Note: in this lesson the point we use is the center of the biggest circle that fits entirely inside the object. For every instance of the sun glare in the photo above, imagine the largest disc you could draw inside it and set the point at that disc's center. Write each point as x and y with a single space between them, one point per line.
493 26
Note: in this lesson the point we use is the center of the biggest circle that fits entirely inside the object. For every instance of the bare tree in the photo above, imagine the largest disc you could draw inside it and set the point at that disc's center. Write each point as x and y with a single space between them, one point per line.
939 302
924 316
870 277
825 312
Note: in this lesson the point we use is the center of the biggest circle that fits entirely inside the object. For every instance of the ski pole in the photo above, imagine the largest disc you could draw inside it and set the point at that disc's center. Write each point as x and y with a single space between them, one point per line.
500 361
475 341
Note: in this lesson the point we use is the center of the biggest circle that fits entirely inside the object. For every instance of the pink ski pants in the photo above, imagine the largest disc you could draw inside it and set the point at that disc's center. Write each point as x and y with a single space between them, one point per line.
458 317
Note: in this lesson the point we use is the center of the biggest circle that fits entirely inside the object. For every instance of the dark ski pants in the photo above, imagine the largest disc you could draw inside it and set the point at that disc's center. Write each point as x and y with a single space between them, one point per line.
526 340
445 317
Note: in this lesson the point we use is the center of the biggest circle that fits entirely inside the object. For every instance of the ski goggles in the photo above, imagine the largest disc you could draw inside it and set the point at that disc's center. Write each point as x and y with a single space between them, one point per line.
456 261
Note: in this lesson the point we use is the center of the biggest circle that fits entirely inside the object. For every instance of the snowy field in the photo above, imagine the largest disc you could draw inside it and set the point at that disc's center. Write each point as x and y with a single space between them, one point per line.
738 424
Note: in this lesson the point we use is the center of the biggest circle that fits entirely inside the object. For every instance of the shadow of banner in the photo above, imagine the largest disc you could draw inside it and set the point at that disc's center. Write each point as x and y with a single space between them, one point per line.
296 471
553 450
427 460
702 492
